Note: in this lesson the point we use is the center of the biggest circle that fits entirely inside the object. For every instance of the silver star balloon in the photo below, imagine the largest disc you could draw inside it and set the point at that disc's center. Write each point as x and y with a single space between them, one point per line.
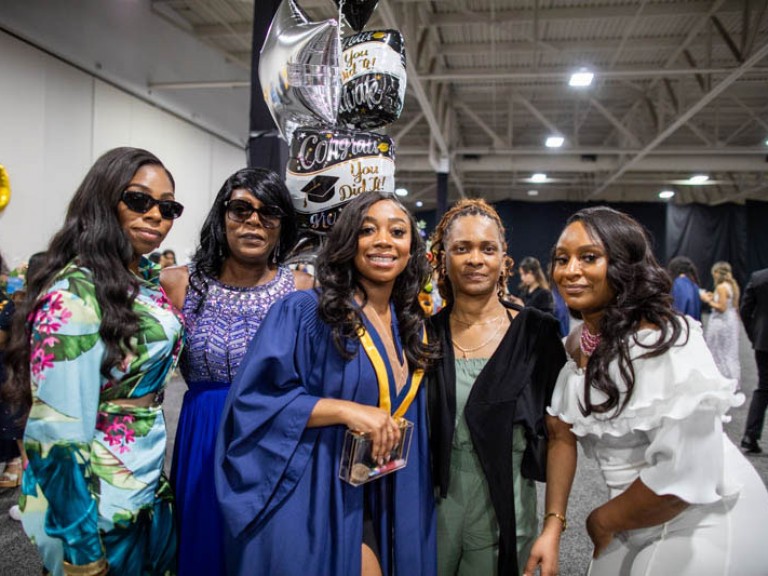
299 70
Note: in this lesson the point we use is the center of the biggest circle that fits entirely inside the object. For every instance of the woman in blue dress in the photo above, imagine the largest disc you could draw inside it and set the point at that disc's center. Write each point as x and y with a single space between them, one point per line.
346 356
234 278
92 348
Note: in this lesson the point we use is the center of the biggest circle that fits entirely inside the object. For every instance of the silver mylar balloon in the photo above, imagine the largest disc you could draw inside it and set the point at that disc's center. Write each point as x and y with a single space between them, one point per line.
299 70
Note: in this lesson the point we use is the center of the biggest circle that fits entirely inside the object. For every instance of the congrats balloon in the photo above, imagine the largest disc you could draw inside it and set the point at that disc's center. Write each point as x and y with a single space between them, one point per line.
299 70
357 12
327 168
373 78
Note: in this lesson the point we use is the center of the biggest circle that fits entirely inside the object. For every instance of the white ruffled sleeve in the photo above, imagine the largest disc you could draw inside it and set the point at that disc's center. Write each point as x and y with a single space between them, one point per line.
673 386
686 458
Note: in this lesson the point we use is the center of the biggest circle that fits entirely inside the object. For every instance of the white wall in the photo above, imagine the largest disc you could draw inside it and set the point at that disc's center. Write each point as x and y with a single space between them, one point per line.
55 120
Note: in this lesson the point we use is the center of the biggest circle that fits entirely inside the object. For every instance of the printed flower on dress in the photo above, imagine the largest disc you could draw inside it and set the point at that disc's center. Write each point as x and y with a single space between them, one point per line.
49 317
117 430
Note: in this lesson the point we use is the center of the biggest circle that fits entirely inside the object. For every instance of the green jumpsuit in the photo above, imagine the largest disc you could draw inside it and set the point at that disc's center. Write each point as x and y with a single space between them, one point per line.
467 531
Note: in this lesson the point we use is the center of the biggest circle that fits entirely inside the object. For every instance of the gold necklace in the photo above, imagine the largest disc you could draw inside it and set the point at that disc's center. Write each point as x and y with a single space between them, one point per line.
399 371
465 351
477 323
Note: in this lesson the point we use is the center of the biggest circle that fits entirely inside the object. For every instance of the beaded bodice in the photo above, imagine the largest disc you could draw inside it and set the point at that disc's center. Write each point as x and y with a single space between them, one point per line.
219 333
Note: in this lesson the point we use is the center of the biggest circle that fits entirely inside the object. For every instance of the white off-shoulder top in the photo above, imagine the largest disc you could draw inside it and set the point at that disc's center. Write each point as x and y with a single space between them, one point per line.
670 432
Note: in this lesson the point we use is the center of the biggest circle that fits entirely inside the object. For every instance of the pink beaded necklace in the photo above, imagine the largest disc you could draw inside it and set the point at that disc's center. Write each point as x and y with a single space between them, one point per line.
588 342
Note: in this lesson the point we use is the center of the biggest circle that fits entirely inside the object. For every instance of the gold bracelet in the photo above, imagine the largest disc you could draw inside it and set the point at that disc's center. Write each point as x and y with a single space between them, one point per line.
559 517
97 568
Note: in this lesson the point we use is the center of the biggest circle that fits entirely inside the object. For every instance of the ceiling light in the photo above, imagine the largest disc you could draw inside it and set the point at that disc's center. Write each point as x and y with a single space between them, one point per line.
533 192
419 203
666 194
766 142
401 192
538 177
554 141
581 79
698 179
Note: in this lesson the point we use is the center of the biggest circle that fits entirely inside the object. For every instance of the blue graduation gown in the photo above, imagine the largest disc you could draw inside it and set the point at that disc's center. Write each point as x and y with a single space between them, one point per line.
286 510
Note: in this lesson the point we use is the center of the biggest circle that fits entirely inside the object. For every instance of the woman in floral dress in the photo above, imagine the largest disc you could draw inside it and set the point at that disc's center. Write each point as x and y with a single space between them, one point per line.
98 340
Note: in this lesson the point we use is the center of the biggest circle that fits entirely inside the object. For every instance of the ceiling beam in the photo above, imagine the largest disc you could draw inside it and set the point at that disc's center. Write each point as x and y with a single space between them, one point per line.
679 166
416 86
498 142
741 194
462 18
538 115
727 39
470 75
683 118
704 152
693 32
613 120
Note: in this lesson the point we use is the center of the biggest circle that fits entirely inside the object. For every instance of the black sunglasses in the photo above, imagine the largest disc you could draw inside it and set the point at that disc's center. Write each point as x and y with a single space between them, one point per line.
143 203
240 211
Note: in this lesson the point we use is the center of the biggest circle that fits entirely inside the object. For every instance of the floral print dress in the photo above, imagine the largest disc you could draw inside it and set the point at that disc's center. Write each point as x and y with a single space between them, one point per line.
94 485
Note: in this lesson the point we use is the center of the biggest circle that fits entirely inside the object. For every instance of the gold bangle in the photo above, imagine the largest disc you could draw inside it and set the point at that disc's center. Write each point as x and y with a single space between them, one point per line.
97 568
559 517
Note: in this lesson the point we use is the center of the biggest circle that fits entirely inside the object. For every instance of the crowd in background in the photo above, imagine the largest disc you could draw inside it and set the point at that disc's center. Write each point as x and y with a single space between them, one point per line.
491 391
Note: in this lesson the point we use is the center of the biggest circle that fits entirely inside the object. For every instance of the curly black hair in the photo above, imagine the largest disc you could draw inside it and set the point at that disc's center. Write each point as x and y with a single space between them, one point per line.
268 188
92 234
338 281
641 294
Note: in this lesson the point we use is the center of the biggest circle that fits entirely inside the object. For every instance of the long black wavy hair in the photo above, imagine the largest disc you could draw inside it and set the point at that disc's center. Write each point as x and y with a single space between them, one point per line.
269 189
93 235
338 280
641 289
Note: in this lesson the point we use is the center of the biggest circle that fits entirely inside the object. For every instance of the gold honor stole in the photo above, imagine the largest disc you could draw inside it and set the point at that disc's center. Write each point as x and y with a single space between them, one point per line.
381 376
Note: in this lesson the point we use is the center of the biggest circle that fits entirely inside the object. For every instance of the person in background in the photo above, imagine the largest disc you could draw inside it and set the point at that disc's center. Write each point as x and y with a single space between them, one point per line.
234 278
91 351
11 423
562 313
534 287
487 399
155 257
722 330
686 297
346 356
754 314
10 431
644 397
167 258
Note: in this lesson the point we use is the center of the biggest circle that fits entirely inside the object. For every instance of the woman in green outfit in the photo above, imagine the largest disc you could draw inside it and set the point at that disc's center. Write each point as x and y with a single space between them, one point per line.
91 350
487 399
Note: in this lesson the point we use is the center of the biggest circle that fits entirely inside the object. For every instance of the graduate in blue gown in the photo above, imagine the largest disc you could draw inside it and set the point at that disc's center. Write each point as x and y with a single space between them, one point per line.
348 355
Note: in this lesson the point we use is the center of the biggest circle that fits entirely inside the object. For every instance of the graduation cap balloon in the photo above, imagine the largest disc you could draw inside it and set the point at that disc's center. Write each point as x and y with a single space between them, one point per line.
357 12
299 70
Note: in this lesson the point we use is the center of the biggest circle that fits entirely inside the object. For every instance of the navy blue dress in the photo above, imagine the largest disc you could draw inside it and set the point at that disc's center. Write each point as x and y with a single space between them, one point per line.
285 509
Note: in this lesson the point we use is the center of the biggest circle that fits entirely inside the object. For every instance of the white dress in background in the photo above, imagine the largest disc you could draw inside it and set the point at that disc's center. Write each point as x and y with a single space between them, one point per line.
670 435
722 337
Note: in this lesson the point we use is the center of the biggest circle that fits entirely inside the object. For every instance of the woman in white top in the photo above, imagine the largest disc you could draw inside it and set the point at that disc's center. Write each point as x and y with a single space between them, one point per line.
722 330
642 394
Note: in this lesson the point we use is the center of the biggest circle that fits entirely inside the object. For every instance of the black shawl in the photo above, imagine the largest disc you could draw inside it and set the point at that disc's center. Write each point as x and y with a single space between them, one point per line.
514 388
